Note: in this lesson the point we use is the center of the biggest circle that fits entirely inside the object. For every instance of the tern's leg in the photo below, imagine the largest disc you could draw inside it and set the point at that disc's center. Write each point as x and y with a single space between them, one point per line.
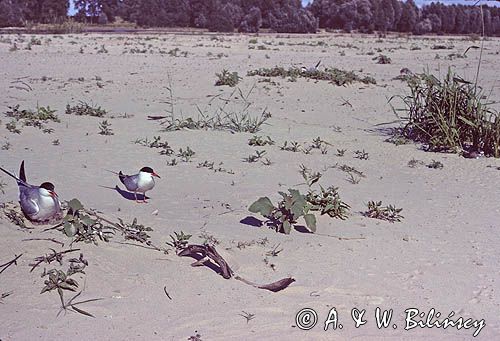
135 194
144 198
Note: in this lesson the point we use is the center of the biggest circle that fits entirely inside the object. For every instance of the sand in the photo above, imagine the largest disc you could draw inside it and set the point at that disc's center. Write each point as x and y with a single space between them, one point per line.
443 254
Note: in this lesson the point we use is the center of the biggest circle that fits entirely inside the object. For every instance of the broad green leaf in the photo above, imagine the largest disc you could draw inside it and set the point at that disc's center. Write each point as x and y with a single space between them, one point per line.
263 206
310 222
69 229
287 227
75 205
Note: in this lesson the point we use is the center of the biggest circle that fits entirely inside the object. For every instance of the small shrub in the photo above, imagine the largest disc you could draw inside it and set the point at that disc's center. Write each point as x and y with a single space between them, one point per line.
227 78
389 213
328 202
382 59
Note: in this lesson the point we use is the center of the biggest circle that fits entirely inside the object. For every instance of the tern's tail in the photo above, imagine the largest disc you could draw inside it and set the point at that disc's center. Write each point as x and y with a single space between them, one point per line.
12 175
22 174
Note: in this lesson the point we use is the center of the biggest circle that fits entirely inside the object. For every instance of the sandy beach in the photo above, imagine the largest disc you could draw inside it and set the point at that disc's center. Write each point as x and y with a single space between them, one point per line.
443 254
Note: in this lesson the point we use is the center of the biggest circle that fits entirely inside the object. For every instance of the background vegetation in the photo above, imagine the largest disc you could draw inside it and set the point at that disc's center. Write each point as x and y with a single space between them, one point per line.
253 15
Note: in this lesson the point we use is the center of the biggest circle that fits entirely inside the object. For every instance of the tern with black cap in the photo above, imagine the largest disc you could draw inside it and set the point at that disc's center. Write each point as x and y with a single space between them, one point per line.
39 203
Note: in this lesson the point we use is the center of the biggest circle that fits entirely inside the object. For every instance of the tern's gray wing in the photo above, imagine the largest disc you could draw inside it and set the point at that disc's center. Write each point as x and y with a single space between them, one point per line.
130 181
28 197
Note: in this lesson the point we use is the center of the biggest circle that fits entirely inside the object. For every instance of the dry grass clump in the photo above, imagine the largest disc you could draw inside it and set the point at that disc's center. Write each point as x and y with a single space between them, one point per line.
450 115
333 75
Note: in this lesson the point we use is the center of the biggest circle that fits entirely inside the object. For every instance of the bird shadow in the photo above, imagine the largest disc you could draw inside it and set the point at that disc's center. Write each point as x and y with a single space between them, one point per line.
126 194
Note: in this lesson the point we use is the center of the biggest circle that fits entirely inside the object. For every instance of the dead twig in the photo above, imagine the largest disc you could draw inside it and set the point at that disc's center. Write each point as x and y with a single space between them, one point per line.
49 239
55 256
5 266
208 254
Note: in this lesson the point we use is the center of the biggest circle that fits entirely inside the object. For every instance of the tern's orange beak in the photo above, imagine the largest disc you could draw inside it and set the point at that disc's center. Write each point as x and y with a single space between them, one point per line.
53 194
154 174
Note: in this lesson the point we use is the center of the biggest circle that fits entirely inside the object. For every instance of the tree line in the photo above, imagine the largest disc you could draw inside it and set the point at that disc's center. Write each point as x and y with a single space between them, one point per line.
252 15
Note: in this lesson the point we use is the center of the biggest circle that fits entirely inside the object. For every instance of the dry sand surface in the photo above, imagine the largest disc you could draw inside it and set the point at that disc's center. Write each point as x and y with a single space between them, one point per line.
444 253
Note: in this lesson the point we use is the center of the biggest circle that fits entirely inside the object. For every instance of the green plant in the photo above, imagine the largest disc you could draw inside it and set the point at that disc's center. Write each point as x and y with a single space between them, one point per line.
186 155
260 141
294 146
164 147
341 152
179 240
83 227
328 202
333 75
292 207
37 118
362 155
85 109
382 59
232 114
105 128
413 163
309 177
435 164
255 157
450 115
227 78
377 211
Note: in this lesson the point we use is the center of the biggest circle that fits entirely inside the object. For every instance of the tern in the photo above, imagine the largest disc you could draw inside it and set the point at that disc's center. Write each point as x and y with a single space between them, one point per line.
39 204
140 182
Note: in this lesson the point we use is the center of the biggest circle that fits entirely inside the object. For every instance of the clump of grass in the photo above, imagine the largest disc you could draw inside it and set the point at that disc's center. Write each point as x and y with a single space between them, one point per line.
260 141
85 109
435 165
382 59
233 114
333 75
413 163
259 154
450 115
294 146
186 154
377 211
227 78
105 128
37 118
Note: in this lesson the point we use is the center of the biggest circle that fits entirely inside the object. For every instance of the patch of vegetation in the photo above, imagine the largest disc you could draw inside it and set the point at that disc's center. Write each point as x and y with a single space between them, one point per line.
211 165
105 128
382 59
328 201
85 109
227 78
377 211
333 75
292 207
260 141
450 115
37 118
294 146
186 154
164 147
259 154
435 165
233 114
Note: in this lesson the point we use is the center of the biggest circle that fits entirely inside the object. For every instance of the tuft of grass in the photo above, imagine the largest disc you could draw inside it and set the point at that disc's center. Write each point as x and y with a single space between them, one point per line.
382 59
328 201
450 115
260 141
227 78
105 128
85 109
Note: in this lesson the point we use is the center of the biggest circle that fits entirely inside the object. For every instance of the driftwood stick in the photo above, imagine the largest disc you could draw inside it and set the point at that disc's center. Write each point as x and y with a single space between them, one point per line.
208 253
9 263
48 239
